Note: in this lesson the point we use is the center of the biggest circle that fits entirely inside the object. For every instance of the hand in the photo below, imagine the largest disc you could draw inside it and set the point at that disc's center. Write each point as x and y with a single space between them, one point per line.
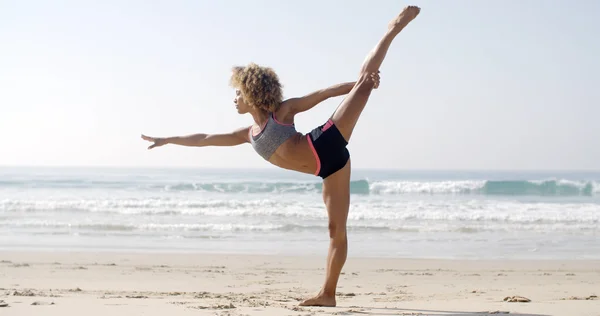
157 141
375 78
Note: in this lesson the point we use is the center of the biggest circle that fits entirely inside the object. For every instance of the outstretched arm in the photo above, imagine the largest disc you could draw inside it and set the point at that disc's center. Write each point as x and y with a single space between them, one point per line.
307 102
237 137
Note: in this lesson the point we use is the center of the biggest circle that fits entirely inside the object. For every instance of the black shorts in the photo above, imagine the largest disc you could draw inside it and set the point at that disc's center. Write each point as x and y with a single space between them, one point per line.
329 147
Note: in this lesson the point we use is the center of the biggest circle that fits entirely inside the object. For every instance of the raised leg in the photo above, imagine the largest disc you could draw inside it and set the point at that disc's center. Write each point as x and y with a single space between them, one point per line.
336 195
348 112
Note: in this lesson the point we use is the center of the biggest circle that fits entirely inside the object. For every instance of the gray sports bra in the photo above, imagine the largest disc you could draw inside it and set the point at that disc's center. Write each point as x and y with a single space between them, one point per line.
273 134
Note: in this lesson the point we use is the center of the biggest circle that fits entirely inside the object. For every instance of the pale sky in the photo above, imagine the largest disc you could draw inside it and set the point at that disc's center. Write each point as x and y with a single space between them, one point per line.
468 85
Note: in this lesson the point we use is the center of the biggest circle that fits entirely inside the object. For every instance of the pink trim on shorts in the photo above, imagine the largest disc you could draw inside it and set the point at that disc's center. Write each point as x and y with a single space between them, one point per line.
312 147
327 125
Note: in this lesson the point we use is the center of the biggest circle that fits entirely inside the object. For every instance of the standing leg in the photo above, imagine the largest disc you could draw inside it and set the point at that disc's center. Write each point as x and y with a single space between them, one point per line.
336 195
348 112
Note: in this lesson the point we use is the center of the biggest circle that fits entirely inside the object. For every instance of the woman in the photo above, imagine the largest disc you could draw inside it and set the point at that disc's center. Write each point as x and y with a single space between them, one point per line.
321 152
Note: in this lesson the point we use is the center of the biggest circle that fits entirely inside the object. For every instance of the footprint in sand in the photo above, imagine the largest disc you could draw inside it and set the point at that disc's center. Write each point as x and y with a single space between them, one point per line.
220 306
216 267
24 293
348 312
516 299
143 269
346 294
576 298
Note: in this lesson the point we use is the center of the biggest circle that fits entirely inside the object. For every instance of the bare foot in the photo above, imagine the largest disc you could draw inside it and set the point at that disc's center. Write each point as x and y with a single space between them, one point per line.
320 300
408 14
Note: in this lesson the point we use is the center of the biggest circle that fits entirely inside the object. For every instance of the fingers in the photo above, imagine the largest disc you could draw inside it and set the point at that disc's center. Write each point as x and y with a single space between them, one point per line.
156 144
151 139
375 78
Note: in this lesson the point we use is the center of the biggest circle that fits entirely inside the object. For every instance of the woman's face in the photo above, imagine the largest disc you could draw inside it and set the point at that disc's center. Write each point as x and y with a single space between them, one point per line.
241 105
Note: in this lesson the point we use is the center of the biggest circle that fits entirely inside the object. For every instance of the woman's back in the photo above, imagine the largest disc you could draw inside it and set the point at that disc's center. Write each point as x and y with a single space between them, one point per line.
281 144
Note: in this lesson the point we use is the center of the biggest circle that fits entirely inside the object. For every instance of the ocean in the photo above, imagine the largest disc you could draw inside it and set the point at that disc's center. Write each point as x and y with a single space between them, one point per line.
407 214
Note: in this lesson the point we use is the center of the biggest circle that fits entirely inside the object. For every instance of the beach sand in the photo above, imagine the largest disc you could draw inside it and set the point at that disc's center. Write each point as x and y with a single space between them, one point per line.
61 283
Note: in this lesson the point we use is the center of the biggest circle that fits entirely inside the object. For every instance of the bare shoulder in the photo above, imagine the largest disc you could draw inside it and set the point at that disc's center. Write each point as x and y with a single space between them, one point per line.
285 112
243 133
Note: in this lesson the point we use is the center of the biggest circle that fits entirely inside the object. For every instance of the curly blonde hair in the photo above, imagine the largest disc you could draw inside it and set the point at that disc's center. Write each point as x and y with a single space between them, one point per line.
259 86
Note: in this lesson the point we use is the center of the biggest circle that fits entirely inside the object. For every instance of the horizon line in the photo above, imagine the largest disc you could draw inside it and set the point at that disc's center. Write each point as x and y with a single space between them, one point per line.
278 169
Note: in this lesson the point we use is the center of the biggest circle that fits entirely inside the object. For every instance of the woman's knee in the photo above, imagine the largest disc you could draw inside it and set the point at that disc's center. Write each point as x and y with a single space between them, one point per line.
337 231
365 83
